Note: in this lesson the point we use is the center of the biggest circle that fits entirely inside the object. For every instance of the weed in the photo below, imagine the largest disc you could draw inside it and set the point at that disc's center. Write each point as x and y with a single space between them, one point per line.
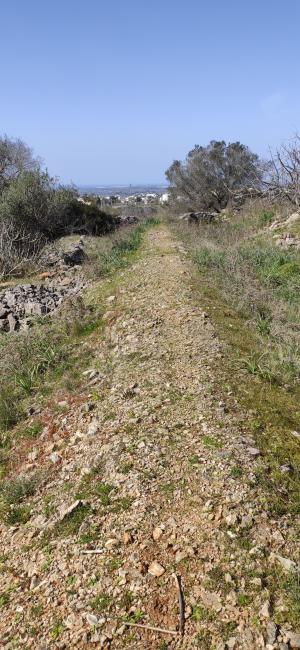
4 598
90 536
36 611
198 613
127 600
101 602
263 325
32 431
292 588
209 258
194 460
203 640
17 515
121 249
125 468
57 629
122 504
49 507
168 488
12 493
103 491
15 490
91 486
244 542
236 471
10 409
229 629
114 564
243 599
266 217
209 441
136 617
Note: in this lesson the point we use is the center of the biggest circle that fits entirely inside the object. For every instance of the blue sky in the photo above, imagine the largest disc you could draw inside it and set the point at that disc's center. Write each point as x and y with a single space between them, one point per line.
112 92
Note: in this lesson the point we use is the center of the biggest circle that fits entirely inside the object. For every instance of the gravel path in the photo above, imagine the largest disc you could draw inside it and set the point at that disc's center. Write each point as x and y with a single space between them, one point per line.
149 467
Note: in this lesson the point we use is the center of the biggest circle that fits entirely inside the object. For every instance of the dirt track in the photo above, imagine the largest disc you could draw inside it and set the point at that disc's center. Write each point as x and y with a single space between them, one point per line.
160 455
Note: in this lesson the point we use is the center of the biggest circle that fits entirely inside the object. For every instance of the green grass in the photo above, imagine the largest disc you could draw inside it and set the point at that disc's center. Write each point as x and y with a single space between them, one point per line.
243 600
31 432
67 527
13 493
194 460
236 471
266 217
209 258
122 249
38 359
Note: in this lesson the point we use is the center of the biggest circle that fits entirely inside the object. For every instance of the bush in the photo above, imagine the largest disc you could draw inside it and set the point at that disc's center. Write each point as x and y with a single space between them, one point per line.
33 210
210 176
90 220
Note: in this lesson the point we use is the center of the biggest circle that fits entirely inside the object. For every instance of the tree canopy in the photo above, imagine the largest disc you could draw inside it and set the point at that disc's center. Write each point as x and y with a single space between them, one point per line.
15 158
210 175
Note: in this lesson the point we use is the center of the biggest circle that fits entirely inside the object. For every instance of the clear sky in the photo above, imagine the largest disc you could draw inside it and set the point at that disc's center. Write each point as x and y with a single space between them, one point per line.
111 91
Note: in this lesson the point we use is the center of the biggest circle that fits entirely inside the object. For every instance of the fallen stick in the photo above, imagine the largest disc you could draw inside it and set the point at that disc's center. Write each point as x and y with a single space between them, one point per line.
93 551
181 603
144 627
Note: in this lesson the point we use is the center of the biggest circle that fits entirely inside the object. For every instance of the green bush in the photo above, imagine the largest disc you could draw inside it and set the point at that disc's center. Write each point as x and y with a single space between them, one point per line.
33 210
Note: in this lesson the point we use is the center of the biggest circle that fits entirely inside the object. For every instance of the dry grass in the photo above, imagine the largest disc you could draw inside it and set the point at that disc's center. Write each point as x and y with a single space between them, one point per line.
249 286
258 278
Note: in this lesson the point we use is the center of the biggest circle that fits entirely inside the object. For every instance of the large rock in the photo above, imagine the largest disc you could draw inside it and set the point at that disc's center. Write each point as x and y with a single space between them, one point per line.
55 255
197 217
75 256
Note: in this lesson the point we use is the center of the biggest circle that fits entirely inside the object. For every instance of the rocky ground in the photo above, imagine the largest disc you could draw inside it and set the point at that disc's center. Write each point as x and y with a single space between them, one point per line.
21 304
142 478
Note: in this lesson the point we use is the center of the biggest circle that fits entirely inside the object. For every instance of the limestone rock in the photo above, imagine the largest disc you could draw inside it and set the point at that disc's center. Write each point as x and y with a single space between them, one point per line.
156 569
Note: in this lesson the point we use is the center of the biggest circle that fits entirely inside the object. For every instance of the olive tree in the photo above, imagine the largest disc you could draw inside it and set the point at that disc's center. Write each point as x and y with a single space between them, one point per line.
209 176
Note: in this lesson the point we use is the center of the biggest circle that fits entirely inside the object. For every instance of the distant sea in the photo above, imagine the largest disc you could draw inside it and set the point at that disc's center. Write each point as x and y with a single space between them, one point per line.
121 190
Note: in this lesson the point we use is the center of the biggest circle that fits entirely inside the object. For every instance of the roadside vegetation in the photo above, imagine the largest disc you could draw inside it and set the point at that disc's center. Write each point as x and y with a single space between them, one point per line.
35 209
250 288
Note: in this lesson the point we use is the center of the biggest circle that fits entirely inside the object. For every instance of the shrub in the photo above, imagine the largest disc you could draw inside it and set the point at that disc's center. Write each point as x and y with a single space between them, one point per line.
210 175
33 210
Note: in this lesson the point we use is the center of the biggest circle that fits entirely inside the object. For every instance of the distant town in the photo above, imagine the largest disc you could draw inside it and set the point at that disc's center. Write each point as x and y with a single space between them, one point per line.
125 194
